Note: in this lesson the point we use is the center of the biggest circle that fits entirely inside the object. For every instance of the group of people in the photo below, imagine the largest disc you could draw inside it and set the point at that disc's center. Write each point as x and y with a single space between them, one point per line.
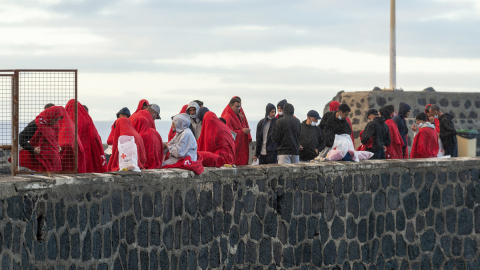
198 138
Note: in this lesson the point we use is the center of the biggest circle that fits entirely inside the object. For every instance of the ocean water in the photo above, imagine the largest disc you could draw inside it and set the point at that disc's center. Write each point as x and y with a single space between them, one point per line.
163 127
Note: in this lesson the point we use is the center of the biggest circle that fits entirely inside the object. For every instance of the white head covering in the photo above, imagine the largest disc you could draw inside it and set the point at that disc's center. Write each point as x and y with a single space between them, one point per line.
182 122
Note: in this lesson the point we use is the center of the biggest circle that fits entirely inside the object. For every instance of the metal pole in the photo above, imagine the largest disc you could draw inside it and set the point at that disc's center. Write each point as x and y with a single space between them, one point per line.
15 122
393 50
76 125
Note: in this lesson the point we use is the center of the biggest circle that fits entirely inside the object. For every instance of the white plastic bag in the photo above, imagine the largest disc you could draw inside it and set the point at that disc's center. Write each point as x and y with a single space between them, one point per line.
256 162
363 155
343 143
127 154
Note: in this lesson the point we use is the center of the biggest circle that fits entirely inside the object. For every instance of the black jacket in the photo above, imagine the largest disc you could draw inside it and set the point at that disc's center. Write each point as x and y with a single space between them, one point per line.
311 138
378 130
271 145
401 123
286 132
26 135
332 126
448 133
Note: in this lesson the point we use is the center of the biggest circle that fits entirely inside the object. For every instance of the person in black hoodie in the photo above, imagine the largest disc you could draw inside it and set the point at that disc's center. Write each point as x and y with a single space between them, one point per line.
448 133
403 112
334 122
280 105
286 134
378 131
312 140
266 149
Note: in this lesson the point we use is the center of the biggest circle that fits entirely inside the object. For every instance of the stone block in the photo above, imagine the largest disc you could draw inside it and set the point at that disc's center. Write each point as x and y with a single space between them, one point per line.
427 240
137 208
465 222
158 204
338 228
353 205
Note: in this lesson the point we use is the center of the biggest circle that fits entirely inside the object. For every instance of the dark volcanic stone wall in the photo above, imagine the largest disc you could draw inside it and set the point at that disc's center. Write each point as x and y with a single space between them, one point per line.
421 214
464 107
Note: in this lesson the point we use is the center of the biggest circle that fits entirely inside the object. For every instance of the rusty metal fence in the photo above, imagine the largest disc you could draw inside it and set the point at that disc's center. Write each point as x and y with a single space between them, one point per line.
36 137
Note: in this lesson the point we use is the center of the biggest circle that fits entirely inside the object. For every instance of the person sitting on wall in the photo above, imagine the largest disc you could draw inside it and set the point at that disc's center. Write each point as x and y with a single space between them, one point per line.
335 123
142 105
124 112
425 142
29 131
44 155
376 137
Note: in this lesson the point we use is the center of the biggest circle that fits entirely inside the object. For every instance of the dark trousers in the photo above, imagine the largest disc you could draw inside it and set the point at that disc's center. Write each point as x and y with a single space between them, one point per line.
377 154
267 159
452 151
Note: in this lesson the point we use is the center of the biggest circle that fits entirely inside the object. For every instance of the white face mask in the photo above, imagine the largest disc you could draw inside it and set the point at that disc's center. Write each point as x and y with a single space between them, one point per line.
280 113
420 125
269 117
313 124
436 116
193 116
339 117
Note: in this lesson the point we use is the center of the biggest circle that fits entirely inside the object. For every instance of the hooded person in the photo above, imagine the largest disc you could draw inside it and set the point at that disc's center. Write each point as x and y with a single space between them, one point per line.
195 124
95 160
394 150
266 148
237 122
280 105
312 140
371 114
425 142
286 134
171 133
183 147
143 122
376 136
448 133
123 127
66 141
399 119
215 144
335 123
45 156
142 105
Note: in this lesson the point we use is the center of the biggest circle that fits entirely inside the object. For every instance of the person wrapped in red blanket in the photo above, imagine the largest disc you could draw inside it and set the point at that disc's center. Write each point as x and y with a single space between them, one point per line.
425 143
95 160
215 139
142 105
183 147
66 141
237 122
123 126
394 150
46 149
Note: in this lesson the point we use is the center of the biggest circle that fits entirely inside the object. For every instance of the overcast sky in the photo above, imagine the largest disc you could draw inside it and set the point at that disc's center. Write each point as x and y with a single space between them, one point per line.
173 51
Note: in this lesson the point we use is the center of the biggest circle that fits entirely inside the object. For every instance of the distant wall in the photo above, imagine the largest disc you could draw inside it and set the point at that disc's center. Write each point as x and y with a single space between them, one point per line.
464 107
388 214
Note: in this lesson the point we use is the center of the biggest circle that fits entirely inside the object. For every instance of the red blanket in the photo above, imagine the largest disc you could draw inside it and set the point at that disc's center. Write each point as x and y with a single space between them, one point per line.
394 150
66 140
46 137
141 103
123 126
364 147
92 143
171 133
186 163
237 123
216 138
425 144
152 140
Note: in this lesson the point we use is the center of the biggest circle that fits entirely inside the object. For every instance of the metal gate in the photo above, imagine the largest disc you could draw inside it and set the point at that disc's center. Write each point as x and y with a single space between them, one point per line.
24 96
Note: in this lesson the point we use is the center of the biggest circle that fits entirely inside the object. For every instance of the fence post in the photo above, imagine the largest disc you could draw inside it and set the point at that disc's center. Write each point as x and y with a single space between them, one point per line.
15 119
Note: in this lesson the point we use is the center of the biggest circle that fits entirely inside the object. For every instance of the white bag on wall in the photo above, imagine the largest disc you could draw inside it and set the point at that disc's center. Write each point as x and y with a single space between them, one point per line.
127 154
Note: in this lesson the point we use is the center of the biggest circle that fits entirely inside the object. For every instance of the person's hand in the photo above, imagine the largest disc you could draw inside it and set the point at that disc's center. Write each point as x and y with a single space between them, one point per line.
254 158
384 148
414 127
246 130
301 148
59 149
316 151
36 150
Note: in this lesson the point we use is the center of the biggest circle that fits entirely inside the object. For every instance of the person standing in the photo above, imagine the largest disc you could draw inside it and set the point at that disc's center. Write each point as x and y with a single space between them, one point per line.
399 119
280 105
425 142
266 148
237 123
286 134
448 133
394 150
312 140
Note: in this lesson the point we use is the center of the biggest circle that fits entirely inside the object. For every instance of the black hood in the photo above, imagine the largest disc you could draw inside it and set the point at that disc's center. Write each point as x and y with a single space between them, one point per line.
288 109
403 109
281 103
269 107
380 119
386 111
125 111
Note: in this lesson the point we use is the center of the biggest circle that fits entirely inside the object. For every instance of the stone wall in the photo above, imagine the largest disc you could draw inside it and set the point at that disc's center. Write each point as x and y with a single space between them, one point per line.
464 107
405 214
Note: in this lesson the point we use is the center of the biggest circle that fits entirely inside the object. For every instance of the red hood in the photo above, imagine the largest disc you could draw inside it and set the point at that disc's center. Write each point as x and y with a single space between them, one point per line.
140 104
334 106
216 138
